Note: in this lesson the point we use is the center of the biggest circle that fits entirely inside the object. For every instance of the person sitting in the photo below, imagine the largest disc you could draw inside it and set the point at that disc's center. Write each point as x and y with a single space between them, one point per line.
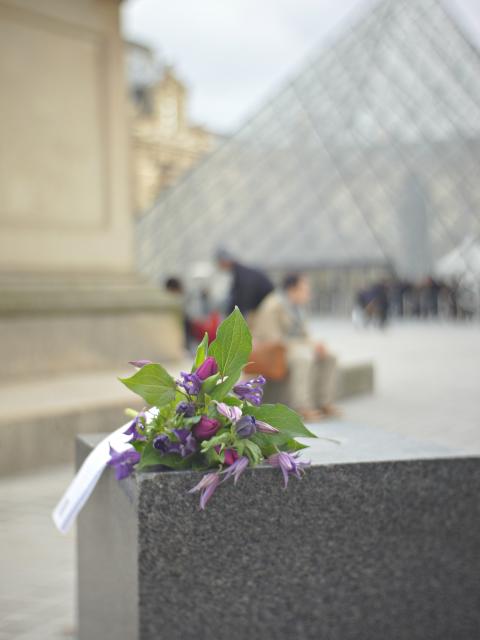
281 317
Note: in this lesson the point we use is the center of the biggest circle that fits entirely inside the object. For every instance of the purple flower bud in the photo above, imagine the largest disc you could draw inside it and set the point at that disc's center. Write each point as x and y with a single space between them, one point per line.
246 427
264 427
232 413
206 428
230 455
208 368
186 409
140 363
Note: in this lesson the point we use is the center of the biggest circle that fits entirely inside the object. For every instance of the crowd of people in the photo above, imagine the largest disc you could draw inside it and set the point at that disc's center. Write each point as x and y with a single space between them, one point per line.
430 298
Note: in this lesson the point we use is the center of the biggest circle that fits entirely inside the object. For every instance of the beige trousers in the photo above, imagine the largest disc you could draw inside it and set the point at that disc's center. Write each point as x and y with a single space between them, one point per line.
311 379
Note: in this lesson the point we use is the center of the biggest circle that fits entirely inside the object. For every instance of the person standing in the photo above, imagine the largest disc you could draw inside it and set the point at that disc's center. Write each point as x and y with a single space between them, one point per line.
249 285
281 317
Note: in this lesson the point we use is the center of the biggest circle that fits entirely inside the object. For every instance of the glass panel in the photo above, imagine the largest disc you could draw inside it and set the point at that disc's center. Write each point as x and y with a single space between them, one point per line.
323 173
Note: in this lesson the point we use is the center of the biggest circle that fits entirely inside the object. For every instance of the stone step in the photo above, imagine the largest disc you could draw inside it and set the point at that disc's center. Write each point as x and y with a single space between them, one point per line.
40 419
51 326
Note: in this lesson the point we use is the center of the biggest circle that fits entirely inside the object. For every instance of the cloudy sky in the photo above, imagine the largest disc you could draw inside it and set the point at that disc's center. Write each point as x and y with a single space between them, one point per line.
233 53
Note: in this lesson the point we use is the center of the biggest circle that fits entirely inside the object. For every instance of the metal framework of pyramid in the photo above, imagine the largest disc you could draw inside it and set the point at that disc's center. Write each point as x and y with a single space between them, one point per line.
370 155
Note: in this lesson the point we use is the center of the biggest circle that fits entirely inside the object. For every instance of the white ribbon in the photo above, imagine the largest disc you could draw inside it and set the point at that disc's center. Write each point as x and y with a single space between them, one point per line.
87 477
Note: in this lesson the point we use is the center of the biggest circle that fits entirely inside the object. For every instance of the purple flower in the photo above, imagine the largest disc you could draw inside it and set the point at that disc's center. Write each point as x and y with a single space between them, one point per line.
264 427
251 390
186 409
123 462
162 443
206 486
190 382
246 427
206 428
208 368
232 413
289 464
140 363
236 469
135 425
186 444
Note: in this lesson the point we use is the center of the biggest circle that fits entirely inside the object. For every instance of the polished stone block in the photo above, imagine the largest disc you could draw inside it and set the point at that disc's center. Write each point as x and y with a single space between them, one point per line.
378 541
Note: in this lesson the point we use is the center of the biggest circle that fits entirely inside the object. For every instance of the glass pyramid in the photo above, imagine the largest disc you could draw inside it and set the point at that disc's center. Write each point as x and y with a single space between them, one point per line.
369 156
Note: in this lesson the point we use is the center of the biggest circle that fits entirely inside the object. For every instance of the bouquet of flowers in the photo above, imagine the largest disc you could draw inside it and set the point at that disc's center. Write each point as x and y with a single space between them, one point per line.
208 420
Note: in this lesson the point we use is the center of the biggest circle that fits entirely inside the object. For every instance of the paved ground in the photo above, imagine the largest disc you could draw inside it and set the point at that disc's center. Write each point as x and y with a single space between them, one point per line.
427 378
36 563
428 386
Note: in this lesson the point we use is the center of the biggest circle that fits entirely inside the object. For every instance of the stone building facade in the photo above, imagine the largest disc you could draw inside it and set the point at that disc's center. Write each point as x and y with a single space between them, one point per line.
164 143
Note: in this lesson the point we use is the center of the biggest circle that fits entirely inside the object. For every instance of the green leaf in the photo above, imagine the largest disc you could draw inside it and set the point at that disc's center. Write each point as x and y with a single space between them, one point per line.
138 445
202 352
221 390
164 414
233 344
284 419
240 447
152 458
232 401
293 445
190 421
153 384
253 451
268 443
209 384
223 438
213 458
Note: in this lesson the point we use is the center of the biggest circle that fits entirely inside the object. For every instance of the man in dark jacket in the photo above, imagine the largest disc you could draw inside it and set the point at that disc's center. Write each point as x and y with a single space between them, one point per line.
249 286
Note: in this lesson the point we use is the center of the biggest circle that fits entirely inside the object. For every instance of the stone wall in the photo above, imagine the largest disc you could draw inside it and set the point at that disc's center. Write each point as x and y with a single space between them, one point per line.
69 297
64 203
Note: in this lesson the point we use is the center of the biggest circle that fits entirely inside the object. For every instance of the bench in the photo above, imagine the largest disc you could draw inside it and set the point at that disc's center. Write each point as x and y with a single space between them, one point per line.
352 380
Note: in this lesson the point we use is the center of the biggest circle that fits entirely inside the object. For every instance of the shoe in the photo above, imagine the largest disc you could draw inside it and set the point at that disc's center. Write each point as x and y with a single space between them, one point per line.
311 415
331 411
